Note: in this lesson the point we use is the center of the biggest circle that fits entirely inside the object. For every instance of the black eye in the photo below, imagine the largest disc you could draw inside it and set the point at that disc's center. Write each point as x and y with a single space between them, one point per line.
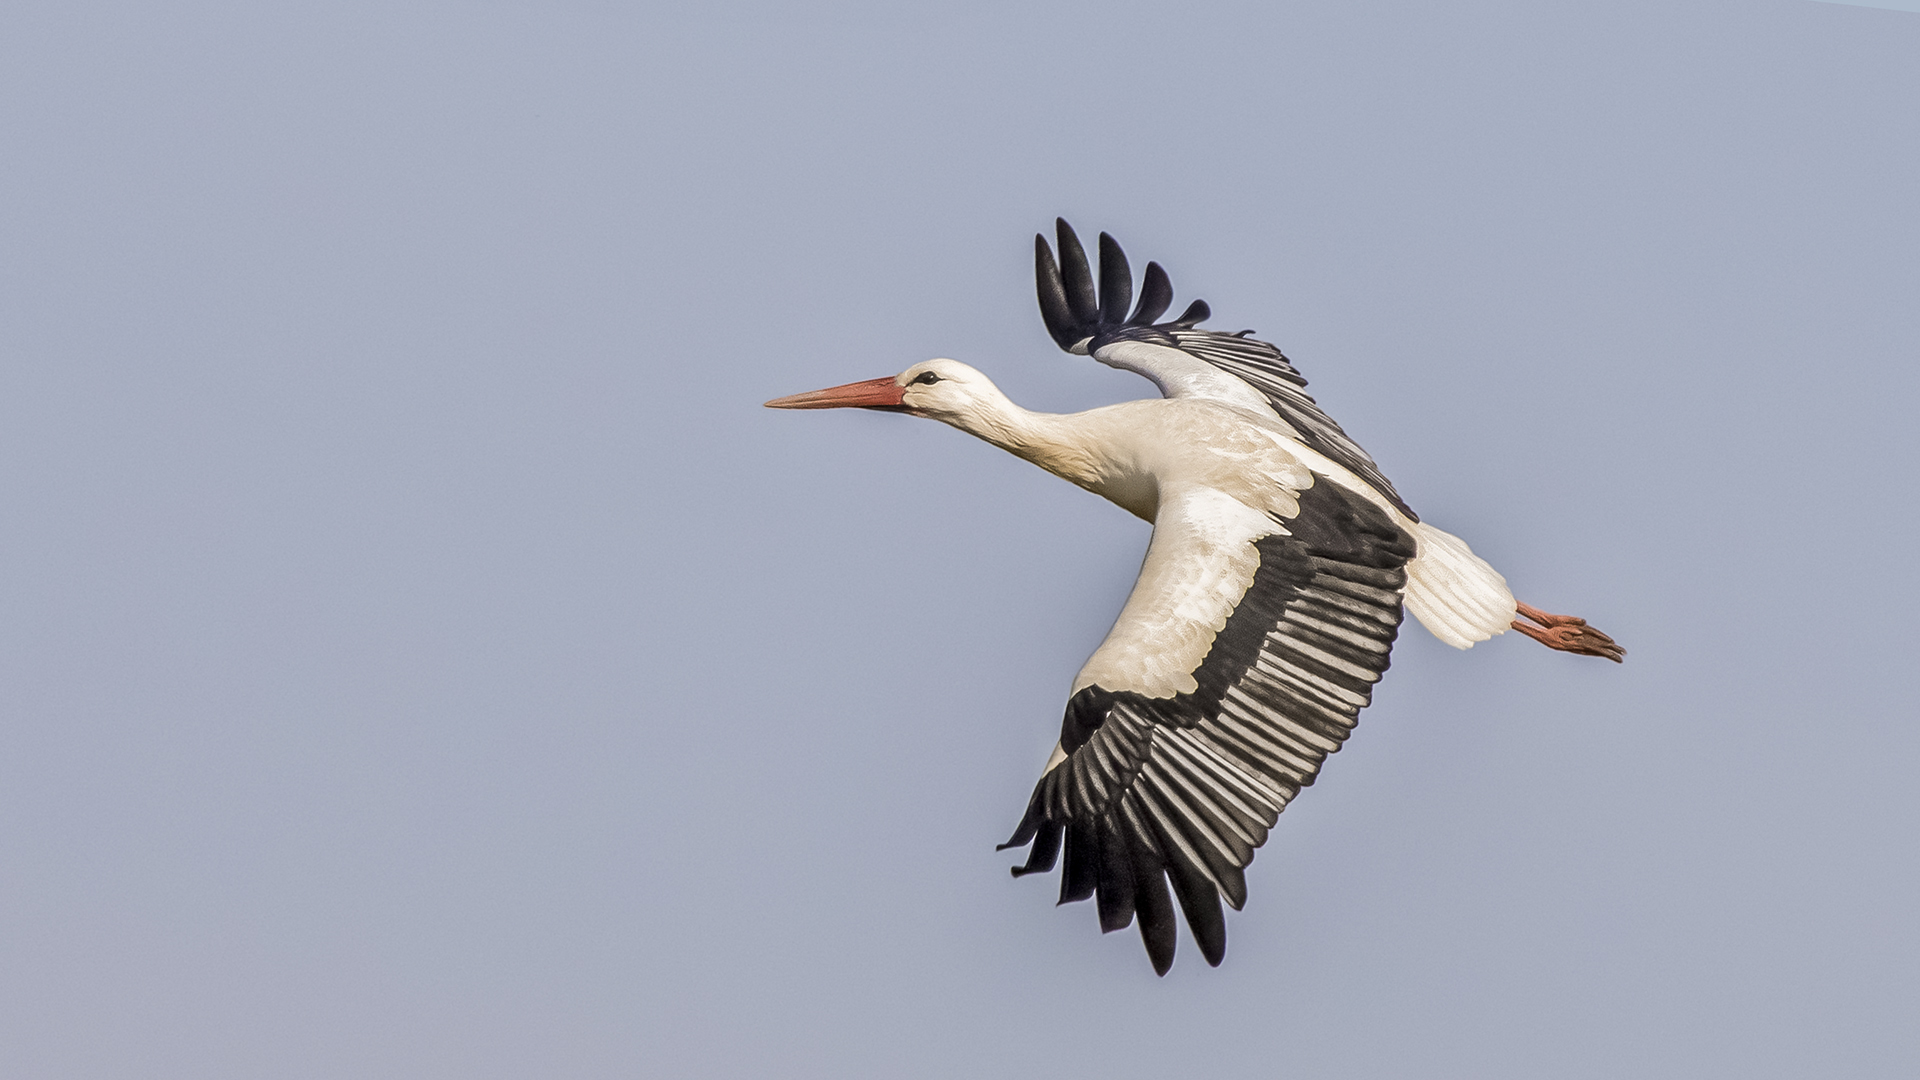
925 378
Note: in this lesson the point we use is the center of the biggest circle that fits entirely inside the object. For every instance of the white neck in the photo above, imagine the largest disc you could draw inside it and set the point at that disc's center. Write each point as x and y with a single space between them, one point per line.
1076 447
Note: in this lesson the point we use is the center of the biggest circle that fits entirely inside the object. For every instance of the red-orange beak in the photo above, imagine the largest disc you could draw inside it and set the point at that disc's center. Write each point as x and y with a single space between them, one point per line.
872 394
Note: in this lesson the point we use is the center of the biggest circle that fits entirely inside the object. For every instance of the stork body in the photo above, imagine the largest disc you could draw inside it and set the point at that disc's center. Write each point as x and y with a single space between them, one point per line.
1265 610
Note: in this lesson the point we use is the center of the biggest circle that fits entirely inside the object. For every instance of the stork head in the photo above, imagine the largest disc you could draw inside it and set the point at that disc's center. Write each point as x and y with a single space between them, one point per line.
945 390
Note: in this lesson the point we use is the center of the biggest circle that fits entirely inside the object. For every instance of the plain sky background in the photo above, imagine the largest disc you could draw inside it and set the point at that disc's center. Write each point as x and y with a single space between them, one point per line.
1892 5
421 656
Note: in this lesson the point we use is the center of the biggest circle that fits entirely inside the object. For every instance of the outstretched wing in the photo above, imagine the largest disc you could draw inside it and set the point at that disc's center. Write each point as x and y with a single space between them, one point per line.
1242 659
1183 360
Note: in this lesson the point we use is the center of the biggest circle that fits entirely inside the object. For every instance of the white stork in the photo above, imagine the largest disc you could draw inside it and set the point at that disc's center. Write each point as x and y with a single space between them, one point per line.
1271 593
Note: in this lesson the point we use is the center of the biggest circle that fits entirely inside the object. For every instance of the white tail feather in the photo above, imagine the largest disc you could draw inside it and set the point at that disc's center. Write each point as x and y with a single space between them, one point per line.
1453 592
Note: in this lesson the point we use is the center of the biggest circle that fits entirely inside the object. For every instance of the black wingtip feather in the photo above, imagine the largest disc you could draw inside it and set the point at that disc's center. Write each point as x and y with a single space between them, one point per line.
1083 867
1054 309
1076 276
1155 907
1196 313
1116 282
1030 822
1046 849
1201 903
1115 897
1156 295
1199 898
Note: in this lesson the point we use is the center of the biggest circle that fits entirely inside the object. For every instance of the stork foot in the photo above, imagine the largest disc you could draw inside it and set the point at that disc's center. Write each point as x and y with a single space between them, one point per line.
1567 633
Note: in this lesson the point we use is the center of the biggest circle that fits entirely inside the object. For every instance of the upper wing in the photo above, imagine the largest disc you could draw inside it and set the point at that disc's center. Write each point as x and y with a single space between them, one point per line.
1181 359
1267 370
1278 628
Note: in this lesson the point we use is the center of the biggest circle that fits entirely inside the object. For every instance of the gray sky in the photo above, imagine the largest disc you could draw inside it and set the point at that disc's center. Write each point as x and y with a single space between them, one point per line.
421 656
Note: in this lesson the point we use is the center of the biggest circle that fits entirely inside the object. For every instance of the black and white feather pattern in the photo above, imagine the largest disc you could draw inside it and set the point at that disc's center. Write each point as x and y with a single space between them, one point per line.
1266 369
1084 322
1182 789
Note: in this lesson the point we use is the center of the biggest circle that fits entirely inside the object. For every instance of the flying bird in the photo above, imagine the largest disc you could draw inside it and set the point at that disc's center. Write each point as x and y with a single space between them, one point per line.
1281 562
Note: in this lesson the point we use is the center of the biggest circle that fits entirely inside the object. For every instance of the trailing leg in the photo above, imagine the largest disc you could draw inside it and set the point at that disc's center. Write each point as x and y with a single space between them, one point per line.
1566 633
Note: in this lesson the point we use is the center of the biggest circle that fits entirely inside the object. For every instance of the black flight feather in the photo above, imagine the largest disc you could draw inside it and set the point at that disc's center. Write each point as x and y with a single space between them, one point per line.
1201 903
1046 848
1115 896
1116 282
1156 295
1155 907
1054 309
1083 863
1196 313
1076 276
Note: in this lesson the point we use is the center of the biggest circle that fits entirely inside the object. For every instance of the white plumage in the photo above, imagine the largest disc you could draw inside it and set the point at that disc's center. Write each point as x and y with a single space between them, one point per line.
1453 592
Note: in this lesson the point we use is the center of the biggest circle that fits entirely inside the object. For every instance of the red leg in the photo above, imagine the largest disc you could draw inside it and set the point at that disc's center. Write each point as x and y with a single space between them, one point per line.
1567 633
